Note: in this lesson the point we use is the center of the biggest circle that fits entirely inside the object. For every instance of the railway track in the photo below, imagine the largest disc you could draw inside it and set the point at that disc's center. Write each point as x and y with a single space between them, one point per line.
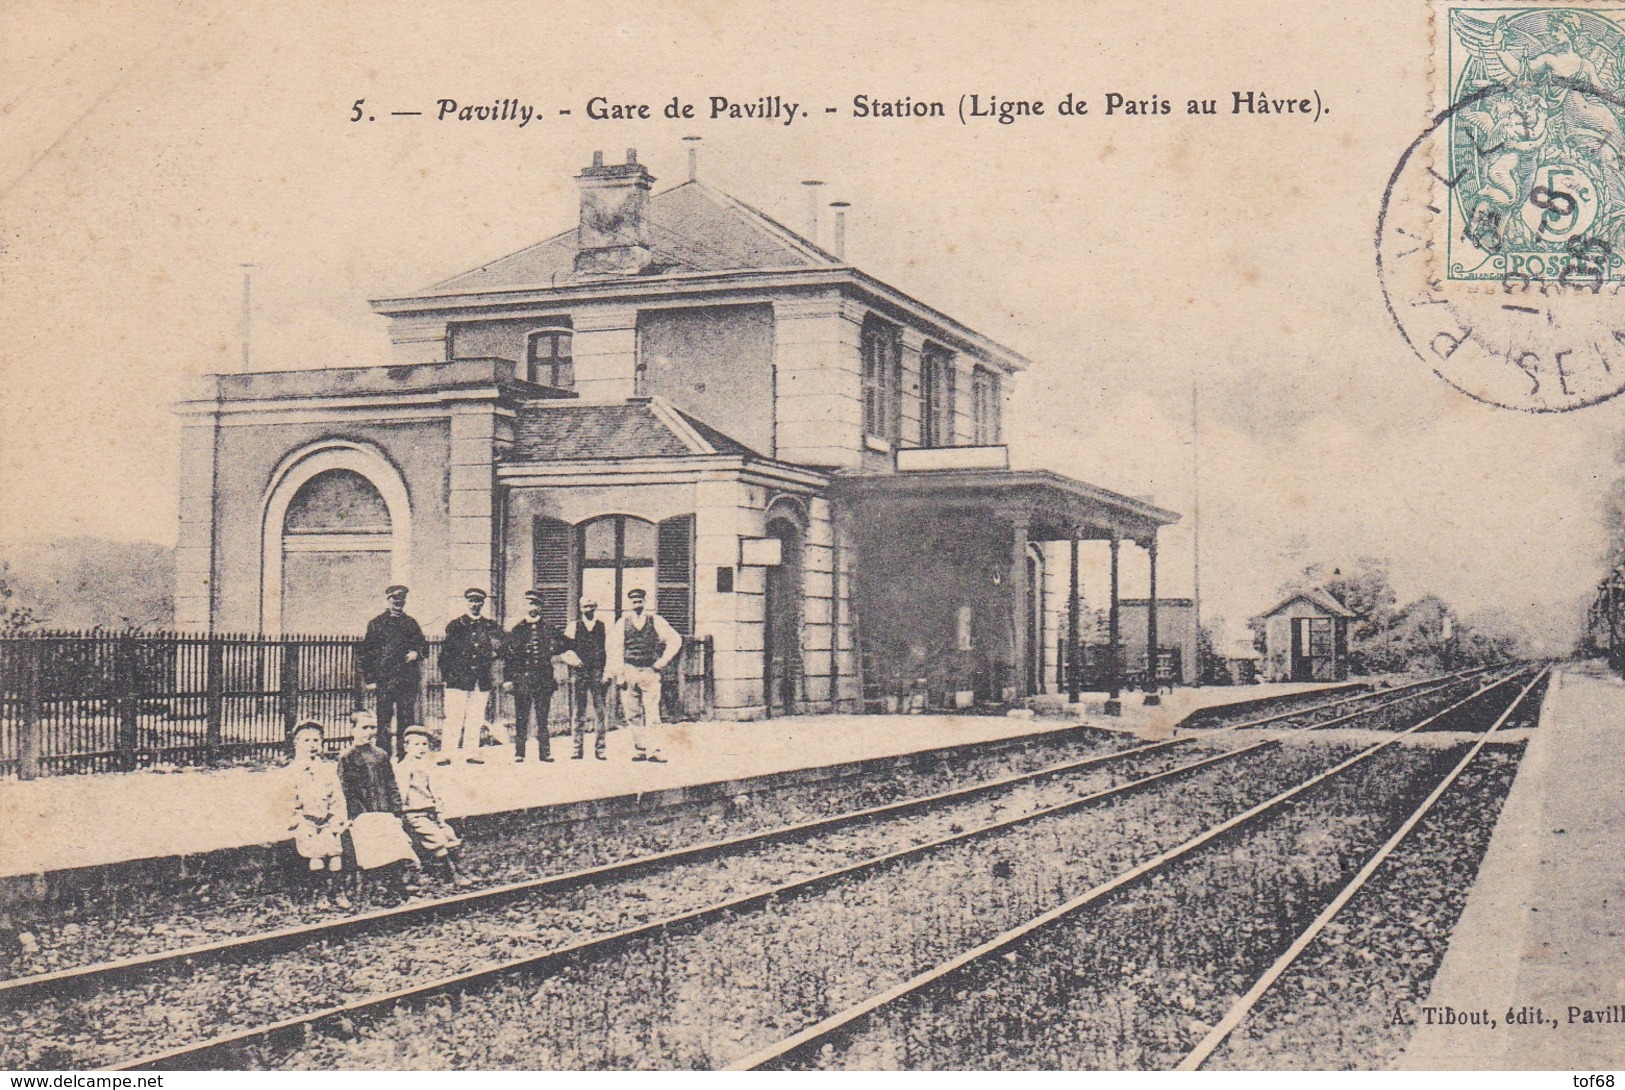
1238 1012
131 972
819 1045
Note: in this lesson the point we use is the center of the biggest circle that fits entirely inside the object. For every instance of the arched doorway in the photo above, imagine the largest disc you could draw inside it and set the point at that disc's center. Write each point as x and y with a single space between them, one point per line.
781 643
336 532
335 553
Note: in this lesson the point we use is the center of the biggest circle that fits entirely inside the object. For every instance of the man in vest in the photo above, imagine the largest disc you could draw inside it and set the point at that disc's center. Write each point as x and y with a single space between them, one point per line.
465 665
639 646
527 670
588 635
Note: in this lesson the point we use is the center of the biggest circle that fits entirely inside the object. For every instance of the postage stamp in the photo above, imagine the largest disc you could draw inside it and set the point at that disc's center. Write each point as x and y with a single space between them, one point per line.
1501 236
1534 143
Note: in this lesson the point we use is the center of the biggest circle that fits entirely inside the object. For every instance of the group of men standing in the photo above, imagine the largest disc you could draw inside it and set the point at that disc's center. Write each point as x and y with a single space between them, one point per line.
627 654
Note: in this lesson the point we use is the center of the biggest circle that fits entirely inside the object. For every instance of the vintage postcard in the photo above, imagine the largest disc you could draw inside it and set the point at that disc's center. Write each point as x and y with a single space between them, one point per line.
934 536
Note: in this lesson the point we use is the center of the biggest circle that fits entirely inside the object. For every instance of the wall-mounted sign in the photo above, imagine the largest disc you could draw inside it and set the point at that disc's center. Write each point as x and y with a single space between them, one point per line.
760 552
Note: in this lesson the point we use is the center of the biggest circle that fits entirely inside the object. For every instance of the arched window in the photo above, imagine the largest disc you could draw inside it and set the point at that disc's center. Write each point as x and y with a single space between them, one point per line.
548 358
337 501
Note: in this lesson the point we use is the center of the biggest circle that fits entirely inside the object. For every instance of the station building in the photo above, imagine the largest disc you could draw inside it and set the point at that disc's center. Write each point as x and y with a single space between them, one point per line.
793 459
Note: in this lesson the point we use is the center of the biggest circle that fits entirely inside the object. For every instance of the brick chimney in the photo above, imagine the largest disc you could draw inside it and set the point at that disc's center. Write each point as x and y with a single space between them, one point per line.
614 233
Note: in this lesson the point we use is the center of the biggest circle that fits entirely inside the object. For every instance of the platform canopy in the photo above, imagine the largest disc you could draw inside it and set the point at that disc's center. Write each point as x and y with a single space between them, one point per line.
1053 507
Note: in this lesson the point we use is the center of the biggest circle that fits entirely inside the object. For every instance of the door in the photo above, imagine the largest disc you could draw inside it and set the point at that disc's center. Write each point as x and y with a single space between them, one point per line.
1301 667
781 643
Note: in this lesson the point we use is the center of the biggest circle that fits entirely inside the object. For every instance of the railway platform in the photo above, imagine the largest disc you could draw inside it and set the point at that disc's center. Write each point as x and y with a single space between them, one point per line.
103 819
1540 937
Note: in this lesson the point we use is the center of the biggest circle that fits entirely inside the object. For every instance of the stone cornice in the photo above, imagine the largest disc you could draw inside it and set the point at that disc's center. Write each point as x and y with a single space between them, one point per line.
937 325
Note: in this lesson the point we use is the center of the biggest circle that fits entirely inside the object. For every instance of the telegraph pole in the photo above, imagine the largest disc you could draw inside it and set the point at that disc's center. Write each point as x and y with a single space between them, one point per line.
248 274
1196 527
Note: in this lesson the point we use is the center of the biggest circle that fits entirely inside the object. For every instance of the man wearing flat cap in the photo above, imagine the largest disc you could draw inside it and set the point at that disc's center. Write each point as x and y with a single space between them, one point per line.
639 647
466 658
390 658
527 669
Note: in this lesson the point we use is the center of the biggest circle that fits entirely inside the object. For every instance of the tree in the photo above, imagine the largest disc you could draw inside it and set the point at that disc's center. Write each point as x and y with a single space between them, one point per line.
1211 665
16 617
1424 635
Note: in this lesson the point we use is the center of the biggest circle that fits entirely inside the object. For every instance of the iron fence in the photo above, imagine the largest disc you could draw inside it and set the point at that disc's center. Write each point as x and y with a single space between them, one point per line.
106 701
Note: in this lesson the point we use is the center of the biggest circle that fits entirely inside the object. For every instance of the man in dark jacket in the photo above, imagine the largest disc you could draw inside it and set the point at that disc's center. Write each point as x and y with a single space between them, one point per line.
471 646
587 635
390 658
527 662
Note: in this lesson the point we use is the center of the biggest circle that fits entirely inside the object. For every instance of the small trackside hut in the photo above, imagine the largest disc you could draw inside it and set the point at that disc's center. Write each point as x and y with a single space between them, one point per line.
1306 638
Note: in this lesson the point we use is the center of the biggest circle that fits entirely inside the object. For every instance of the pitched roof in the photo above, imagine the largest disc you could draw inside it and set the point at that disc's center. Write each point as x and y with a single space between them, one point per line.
692 228
566 431
1315 596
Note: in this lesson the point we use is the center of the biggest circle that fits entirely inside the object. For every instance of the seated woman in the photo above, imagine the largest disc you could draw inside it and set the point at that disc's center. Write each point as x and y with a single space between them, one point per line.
374 805
318 812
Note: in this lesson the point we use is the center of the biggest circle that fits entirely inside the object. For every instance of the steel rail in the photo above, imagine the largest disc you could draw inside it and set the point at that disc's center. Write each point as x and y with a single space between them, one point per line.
101 974
210 1052
1243 1006
1438 682
57 981
820 1032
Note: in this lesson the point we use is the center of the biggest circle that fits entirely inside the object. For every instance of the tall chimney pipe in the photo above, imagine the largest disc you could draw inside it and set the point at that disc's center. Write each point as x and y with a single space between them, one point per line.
812 210
840 227
693 157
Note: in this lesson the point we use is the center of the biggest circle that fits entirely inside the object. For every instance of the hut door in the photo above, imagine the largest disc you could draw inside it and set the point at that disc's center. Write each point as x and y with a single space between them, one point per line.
1313 649
781 651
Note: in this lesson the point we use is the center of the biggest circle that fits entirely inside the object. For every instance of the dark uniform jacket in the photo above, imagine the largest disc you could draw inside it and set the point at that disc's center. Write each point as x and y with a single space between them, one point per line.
368 779
471 647
384 649
527 655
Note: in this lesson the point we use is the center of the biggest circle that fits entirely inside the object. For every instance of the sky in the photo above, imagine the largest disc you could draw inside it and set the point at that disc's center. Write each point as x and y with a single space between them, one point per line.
150 150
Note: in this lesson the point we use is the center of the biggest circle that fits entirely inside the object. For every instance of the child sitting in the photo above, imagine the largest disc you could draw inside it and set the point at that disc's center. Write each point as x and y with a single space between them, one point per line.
420 806
318 811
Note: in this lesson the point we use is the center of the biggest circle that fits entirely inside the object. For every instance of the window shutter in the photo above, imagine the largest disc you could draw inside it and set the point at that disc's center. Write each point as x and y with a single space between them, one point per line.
552 540
674 572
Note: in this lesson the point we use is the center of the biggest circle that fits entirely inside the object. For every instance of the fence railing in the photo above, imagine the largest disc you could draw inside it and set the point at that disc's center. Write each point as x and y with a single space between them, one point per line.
99 701
1095 673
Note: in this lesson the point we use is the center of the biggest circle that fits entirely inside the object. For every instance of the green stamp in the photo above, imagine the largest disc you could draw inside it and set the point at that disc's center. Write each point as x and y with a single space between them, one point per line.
1536 145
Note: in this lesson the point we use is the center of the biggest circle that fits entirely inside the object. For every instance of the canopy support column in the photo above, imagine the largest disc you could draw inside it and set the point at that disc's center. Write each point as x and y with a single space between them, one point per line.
1151 695
1019 607
1074 672
1114 666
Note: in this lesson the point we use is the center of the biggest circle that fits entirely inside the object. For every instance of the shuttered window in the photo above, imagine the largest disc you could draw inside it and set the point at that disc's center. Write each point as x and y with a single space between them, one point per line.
552 568
606 557
674 571
985 404
882 379
937 388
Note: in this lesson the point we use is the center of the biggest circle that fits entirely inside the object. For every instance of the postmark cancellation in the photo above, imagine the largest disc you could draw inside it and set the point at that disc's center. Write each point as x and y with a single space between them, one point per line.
1501 237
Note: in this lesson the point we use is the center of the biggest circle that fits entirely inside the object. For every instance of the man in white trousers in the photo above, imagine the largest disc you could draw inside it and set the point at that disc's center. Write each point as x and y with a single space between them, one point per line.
471 647
639 646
